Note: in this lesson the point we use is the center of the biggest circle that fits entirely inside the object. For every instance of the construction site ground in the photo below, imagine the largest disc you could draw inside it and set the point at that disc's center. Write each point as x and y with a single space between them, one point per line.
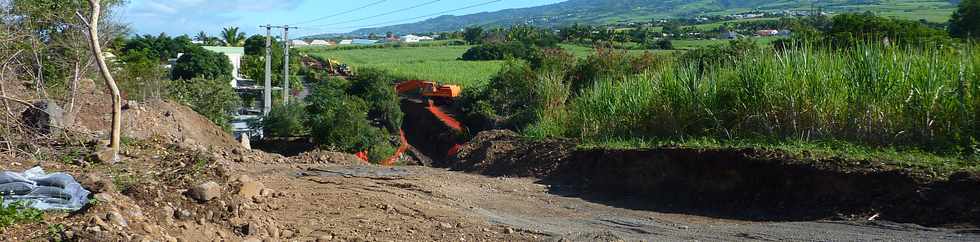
328 196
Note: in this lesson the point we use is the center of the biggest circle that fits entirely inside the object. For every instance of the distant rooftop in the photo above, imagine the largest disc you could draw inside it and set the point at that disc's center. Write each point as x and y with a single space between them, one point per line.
226 50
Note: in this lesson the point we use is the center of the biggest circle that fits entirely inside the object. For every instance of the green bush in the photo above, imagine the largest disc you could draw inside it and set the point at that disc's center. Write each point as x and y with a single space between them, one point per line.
338 120
377 88
215 99
380 152
500 51
285 121
201 63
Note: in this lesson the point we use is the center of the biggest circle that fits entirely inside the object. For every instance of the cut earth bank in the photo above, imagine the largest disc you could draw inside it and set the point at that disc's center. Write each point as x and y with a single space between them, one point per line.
184 180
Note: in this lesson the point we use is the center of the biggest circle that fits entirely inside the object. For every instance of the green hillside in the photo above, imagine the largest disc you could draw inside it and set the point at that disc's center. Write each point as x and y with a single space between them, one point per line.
611 11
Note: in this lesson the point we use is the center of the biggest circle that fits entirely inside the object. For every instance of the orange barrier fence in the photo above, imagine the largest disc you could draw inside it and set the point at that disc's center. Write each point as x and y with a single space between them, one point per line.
445 118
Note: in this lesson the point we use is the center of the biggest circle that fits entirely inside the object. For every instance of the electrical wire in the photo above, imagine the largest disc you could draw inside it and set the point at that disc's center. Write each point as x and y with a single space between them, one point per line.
424 16
341 13
383 14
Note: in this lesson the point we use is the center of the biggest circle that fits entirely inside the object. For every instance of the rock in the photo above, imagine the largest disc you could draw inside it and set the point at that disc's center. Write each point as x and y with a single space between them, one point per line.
324 238
206 191
250 188
266 192
106 155
117 219
509 231
130 104
252 240
149 228
287 234
169 238
183 214
445 225
104 197
96 183
99 222
251 229
46 118
304 231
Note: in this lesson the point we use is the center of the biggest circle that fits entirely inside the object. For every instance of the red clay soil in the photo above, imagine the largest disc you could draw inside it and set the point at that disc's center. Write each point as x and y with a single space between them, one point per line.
743 184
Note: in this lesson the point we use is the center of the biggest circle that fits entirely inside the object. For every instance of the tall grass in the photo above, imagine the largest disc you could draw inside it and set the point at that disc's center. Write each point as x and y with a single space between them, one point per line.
873 95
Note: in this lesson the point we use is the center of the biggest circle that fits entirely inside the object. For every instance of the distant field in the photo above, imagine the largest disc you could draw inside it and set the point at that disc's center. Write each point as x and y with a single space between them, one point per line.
428 63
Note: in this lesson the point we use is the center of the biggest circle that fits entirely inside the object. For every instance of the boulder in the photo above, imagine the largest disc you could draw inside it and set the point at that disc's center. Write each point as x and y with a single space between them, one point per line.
46 117
205 191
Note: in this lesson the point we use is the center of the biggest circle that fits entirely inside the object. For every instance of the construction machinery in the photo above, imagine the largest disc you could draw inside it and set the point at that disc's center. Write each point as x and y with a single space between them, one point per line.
428 89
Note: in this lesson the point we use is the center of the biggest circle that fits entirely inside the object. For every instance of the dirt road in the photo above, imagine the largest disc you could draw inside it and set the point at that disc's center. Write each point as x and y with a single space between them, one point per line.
373 203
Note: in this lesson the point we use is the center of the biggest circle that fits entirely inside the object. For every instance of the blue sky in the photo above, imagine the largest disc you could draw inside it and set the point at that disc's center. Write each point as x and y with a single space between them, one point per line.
176 17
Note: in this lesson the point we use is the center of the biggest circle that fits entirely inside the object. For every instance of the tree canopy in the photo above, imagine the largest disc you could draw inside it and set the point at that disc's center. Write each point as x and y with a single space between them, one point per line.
198 62
965 22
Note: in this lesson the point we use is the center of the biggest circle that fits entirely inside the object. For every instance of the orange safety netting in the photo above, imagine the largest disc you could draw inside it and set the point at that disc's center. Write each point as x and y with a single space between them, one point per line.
444 117
401 150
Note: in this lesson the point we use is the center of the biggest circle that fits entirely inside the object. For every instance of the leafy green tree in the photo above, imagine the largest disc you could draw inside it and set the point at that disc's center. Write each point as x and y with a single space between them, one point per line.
231 37
965 22
285 120
213 98
201 63
160 47
255 45
473 35
375 87
340 121
140 75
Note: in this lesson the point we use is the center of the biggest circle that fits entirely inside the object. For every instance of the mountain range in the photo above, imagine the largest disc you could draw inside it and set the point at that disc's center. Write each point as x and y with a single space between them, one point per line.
611 11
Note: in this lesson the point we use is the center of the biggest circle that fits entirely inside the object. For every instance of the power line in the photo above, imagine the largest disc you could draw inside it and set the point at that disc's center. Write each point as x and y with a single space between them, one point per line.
341 13
424 16
383 14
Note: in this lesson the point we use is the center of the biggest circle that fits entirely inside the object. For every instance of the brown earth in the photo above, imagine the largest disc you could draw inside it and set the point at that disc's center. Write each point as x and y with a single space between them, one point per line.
743 184
540 191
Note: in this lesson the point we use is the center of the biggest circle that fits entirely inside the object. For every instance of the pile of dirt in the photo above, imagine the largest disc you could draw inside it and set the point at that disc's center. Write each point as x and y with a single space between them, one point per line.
505 153
326 157
163 119
735 183
149 119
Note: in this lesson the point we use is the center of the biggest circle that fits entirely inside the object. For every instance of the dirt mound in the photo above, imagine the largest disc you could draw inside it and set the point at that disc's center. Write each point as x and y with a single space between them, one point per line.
743 184
502 152
326 157
163 119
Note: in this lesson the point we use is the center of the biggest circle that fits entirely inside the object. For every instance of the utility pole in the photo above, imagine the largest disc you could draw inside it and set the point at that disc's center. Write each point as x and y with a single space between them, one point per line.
267 94
285 65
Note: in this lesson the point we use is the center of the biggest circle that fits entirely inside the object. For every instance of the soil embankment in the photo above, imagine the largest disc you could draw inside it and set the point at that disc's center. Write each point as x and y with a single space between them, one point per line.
741 184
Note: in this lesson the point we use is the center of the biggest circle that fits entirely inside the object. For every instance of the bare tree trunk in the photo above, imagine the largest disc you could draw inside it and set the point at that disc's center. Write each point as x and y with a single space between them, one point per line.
93 30
73 90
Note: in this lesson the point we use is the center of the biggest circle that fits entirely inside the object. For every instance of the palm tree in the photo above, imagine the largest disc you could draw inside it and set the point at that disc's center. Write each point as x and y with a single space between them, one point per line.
232 37
202 36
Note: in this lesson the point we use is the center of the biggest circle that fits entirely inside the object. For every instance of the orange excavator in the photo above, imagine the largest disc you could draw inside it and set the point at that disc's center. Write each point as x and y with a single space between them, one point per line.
429 89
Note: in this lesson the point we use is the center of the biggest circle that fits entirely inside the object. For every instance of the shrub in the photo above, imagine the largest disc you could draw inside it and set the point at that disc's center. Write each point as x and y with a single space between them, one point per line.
201 63
214 99
500 51
285 121
381 152
377 88
339 121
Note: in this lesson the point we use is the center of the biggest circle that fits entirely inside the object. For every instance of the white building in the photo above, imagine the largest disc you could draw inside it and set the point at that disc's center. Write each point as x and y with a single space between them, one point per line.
347 42
234 56
321 43
415 39
297 42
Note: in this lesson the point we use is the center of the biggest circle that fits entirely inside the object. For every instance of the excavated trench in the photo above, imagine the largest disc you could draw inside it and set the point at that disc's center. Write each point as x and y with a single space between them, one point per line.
738 184
433 138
